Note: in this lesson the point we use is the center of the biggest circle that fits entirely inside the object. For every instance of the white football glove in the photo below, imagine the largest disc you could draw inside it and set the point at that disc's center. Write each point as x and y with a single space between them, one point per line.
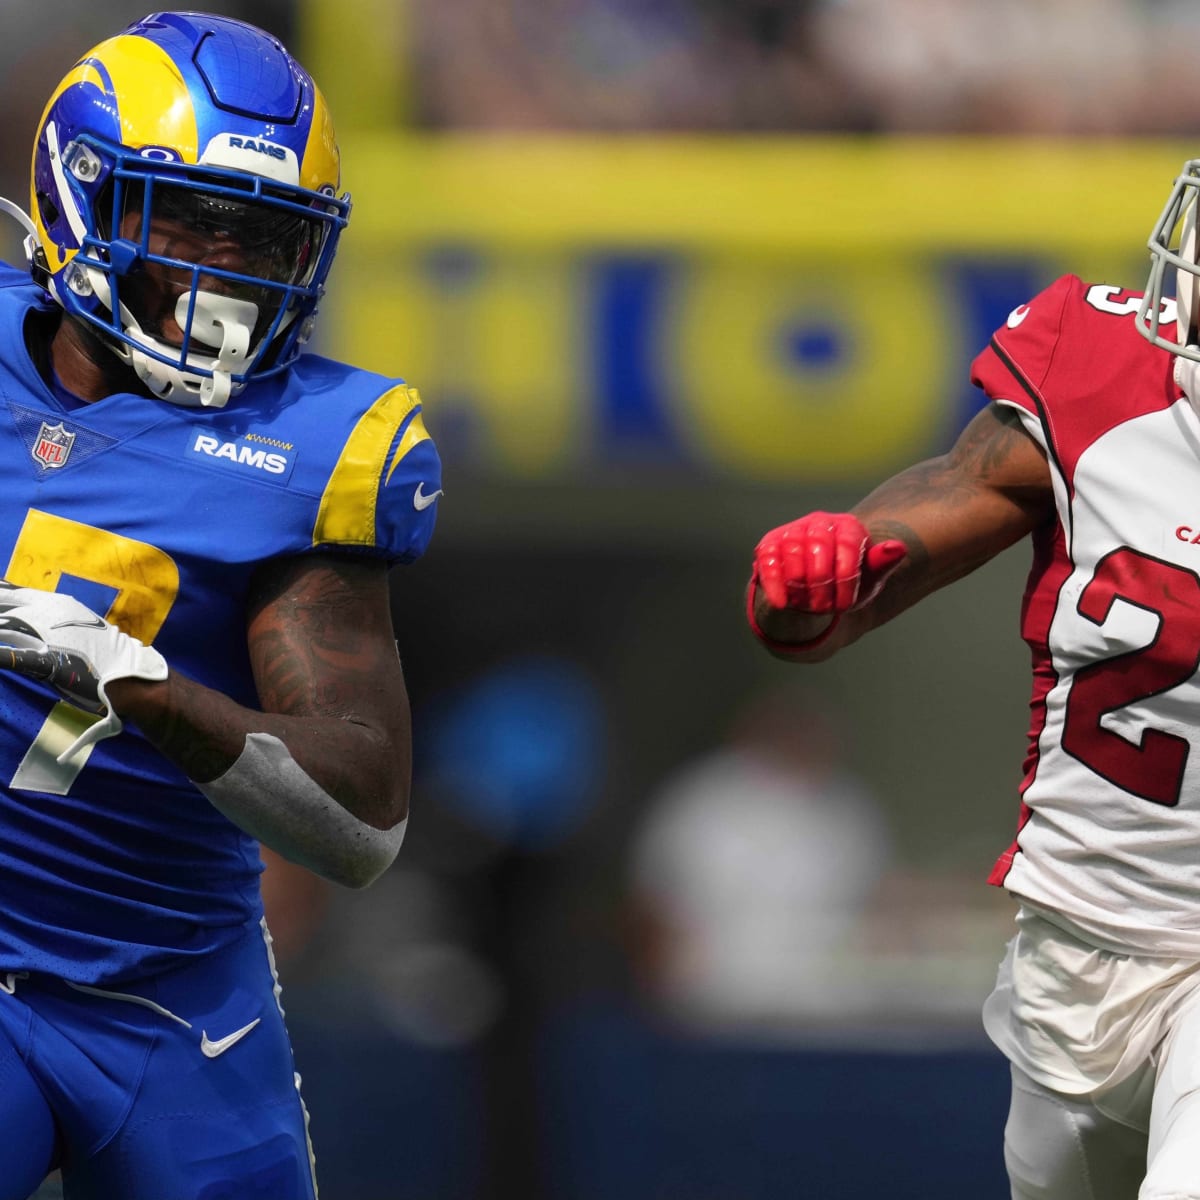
52 637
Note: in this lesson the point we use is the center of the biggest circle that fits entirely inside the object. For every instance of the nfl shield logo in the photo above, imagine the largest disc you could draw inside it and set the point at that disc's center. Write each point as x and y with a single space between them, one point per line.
52 445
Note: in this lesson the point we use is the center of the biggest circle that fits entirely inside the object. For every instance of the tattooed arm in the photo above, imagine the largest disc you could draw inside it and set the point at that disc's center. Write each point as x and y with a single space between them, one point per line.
952 514
330 684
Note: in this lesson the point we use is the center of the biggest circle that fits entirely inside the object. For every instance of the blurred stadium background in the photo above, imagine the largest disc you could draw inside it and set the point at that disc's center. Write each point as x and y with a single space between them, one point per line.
675 921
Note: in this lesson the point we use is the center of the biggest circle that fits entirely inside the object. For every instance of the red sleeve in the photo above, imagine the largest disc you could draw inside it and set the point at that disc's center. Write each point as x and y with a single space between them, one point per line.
1073 359
1016 362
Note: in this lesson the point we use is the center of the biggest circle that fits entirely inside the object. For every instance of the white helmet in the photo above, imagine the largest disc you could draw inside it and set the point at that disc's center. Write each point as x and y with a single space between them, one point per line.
1173 323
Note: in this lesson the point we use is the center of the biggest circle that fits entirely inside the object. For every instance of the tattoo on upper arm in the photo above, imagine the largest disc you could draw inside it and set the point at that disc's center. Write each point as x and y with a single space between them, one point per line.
313 648
989 442
993 454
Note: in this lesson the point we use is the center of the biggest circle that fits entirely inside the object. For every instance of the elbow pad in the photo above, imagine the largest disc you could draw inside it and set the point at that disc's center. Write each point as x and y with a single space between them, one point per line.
271 797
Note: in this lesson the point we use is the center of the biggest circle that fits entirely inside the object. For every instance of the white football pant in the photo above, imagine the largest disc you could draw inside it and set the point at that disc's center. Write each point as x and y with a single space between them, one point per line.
1093 1147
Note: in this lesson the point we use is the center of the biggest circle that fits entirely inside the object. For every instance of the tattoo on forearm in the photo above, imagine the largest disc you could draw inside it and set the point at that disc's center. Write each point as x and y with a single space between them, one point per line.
882 530
181 736
968 504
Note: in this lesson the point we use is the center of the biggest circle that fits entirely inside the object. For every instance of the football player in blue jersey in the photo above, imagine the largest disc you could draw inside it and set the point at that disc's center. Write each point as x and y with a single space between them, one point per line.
197 521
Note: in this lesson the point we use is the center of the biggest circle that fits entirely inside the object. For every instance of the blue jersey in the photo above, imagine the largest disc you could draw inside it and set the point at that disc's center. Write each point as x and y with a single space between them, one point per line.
158 516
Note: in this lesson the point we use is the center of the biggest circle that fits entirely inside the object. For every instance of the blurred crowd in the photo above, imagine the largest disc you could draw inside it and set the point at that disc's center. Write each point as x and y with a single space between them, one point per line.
914 66
917 66
1099 67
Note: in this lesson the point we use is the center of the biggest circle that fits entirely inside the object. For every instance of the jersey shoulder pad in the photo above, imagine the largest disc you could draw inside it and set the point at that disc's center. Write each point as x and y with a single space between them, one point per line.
1015 363
381 470
1073 360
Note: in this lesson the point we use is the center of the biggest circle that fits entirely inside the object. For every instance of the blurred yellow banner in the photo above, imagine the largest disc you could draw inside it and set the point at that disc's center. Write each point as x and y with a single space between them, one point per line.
773 308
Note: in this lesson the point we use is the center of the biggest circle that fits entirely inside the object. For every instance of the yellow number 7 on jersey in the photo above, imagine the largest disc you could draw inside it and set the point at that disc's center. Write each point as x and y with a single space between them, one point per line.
146 581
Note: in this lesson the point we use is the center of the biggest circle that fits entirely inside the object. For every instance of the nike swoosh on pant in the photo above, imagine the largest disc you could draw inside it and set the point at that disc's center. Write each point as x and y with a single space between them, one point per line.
211 1049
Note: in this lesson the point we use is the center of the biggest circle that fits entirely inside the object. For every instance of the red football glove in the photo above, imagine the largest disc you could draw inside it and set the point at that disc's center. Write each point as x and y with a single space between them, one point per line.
821 563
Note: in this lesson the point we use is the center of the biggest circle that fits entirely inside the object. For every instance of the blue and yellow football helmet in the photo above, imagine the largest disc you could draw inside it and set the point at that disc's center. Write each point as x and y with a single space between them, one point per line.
186 181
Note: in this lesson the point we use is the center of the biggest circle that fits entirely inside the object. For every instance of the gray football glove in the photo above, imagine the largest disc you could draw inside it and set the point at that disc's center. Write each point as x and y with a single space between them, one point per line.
54 638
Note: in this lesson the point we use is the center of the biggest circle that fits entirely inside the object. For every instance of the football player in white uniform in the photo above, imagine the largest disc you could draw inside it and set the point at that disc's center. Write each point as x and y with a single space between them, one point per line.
1090 447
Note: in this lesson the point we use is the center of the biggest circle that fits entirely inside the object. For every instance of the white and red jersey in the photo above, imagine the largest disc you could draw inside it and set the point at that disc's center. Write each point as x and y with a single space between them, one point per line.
1109 835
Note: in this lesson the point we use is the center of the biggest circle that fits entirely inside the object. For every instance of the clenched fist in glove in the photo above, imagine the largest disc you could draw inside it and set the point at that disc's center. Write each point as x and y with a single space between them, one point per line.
822 563
56 639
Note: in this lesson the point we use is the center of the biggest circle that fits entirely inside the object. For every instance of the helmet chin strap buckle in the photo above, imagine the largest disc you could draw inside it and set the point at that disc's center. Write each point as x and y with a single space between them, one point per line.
215 389
210 321
222 322
225 323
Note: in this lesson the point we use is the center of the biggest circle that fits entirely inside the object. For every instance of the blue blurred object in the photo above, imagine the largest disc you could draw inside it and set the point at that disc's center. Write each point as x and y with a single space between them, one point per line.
814 344
519 751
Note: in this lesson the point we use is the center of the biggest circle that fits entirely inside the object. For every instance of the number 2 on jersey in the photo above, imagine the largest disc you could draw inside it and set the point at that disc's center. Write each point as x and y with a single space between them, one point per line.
1154 768
146 581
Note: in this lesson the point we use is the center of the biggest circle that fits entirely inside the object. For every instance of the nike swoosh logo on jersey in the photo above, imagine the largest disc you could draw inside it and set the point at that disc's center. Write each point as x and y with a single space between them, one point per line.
211 1049
1017 315
422 501
92 623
